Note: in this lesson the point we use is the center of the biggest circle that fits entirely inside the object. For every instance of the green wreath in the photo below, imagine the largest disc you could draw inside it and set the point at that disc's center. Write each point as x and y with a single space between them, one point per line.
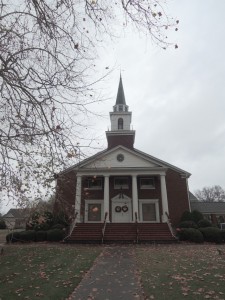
118 209
125 208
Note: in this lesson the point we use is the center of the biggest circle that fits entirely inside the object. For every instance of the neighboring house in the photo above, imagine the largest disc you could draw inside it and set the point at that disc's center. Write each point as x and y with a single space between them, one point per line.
192 197
212 211
123 184
16 218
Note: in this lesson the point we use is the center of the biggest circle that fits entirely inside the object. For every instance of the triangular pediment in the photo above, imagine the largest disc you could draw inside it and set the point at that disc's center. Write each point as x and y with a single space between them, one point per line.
120 157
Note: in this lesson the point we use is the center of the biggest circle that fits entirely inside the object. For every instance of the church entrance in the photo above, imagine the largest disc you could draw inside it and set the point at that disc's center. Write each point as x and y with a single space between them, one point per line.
121 210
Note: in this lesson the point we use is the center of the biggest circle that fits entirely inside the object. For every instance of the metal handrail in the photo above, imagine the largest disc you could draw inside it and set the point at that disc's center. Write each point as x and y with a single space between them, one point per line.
104 226
170 225
137 230
72 226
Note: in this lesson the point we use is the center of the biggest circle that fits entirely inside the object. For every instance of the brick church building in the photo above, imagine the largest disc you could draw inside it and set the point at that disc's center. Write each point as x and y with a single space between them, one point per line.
123 188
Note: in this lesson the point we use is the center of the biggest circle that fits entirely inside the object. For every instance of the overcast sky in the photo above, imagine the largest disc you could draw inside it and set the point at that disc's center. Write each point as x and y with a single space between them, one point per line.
177 97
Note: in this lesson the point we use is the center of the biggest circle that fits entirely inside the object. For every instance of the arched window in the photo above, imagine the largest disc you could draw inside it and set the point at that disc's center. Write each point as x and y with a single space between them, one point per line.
120 123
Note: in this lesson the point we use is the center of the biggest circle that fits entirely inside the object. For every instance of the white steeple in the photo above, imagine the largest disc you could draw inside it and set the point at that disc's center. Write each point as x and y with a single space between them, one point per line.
120 117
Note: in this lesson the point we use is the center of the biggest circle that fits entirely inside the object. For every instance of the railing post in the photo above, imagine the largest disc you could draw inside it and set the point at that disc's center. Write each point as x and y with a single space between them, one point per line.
134 195
137 230
106 196
165 208
104 226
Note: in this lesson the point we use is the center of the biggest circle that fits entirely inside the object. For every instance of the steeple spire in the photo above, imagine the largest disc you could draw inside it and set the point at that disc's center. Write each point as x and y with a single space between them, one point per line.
120 99
120 117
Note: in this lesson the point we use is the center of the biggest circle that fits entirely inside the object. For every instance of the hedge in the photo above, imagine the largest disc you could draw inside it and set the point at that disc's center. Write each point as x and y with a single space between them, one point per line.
204 223
191 234
211 234
41 236
188 224
27 236
13 237
53 235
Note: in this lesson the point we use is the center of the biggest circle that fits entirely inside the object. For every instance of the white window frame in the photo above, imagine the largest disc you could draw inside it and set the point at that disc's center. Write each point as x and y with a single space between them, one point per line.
149 201
86 210
118 187
147 187
94 187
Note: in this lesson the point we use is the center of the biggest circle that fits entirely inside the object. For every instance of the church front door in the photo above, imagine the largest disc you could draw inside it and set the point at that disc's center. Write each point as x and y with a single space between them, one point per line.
121 211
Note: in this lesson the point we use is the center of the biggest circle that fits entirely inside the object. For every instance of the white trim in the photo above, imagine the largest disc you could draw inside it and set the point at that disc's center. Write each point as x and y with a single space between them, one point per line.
86 210
151 201
136 152
123 172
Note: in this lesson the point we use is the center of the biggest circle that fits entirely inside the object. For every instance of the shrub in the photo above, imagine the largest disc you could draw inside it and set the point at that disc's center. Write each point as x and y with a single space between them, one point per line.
58 226
41 236
42 227
2 224
211 234
13 237
191 234
204 223
186 216
27 236
55 235
61 218
197 216
48 218
188 224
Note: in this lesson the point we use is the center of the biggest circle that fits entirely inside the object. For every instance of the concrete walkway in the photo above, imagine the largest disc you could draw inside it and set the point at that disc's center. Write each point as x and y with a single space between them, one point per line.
112 277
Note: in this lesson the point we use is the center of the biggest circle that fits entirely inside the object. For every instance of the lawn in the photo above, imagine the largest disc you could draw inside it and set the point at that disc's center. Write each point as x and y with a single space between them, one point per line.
43 271
182 271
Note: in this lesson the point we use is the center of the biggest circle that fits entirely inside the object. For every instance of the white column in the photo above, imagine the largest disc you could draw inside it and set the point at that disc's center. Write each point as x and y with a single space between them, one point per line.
106 196
164 198
78 198
134 196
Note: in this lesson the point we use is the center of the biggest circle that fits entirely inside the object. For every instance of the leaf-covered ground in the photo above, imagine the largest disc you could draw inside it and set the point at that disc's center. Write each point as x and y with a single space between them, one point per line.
43 271
182 271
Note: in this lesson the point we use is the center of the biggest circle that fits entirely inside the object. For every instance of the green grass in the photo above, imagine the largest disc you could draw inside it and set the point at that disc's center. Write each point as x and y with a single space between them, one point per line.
182 271
43 271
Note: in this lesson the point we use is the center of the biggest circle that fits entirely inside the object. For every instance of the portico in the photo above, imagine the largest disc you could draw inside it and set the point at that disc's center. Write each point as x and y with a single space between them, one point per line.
110 203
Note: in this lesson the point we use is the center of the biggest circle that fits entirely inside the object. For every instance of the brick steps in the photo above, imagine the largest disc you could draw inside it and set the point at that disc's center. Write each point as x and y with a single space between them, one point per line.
121 232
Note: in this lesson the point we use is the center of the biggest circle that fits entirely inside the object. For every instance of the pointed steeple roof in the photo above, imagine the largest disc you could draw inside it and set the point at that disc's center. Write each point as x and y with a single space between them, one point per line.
120 99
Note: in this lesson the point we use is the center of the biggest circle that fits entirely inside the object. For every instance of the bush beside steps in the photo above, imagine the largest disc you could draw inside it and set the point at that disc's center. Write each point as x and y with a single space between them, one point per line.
52 235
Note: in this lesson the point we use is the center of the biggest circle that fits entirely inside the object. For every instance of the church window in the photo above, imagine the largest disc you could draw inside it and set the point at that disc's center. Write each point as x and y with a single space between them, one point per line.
120 123
147 183
95 183
121 183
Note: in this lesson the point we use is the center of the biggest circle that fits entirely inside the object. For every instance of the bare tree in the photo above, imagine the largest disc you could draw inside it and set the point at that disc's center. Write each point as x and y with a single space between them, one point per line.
47 53
211 194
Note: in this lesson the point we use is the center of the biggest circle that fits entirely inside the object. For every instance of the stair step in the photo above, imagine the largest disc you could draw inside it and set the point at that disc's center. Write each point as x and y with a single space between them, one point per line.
86 232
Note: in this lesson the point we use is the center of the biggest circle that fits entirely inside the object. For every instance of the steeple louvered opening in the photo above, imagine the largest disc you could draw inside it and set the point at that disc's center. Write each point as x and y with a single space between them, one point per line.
120 123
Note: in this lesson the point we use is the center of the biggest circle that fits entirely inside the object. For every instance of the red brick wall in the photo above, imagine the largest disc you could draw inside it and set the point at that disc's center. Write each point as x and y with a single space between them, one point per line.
65 193
177 195
124 140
